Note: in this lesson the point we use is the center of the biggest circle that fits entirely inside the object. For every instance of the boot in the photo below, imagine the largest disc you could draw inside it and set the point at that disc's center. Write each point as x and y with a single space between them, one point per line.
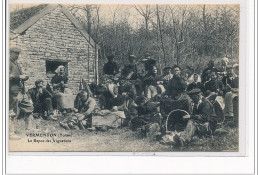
28 122
12 135
64 125
51 117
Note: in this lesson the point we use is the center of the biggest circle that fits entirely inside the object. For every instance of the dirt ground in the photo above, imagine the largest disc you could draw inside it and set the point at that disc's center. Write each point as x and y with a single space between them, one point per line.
49 136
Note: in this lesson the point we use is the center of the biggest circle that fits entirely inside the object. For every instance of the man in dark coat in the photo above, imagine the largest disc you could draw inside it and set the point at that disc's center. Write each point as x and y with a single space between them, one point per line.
205 74
129 72
214 85
148 62
111 67
41 99
176 90
202 121
176 85
17 105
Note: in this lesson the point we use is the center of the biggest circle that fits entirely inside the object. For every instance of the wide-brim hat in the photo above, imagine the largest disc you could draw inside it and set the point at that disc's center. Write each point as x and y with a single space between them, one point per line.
194 91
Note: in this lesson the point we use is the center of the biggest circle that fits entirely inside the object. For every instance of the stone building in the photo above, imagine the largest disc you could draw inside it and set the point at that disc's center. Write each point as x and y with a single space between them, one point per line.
49 36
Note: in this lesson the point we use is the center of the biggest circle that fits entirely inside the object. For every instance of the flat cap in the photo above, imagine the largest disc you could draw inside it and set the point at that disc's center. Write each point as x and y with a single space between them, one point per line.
194 91
38 81
15 49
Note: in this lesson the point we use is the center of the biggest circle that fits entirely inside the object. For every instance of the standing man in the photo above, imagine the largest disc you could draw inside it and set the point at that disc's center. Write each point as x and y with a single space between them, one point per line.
111 67
41 99
148 62
16 86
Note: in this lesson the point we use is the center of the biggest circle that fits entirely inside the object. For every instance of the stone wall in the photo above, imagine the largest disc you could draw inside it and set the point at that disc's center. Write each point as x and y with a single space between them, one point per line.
54 37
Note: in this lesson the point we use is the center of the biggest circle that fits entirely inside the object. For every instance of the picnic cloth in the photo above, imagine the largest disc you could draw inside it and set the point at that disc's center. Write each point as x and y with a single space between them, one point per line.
108 118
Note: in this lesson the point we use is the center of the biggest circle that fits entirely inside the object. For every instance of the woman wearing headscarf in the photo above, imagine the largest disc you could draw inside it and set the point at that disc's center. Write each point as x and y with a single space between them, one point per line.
60 80
61 94
195 83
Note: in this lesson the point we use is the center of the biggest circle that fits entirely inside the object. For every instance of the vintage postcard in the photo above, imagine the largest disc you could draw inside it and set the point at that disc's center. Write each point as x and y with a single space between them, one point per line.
123 77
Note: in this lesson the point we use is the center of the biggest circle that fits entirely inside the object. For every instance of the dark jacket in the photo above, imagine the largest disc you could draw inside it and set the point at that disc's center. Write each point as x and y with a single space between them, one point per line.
194 85
175 86
206 113
214 86
151 79
230 81
38 98
110 68
128 69
14 78
148 64
57 79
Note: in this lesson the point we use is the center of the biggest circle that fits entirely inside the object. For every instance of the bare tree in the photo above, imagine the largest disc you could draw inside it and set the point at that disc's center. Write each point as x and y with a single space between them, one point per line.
146 12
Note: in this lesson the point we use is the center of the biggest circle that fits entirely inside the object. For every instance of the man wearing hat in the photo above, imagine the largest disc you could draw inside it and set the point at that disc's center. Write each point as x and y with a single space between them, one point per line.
214 84
148 62
41 99
177 84
167 75
111 67
83 119
129 72
202 121
16 86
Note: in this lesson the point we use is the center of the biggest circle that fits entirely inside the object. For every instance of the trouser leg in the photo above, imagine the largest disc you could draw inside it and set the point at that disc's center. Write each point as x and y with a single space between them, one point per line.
28 121
228 104
189 131
48 106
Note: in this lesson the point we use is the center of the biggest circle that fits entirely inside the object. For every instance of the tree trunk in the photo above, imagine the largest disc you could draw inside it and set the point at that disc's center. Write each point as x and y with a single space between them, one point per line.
161 37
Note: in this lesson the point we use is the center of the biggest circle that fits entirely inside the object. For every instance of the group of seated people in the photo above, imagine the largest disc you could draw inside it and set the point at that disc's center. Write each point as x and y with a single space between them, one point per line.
145 99
171 91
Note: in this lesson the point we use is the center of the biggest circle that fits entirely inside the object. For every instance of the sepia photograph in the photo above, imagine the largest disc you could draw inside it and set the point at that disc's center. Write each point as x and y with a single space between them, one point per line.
123 77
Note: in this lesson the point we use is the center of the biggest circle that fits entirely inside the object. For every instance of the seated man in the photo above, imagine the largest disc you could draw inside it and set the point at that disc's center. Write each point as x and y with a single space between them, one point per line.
176 90
41 99
148 62
111 67
129 72
214 85
148 113
85 105
153 83
231 83
167 75
202 121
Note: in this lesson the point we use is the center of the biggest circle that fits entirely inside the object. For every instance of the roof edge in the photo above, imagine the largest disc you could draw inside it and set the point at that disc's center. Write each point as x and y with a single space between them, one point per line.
28 23
77 24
